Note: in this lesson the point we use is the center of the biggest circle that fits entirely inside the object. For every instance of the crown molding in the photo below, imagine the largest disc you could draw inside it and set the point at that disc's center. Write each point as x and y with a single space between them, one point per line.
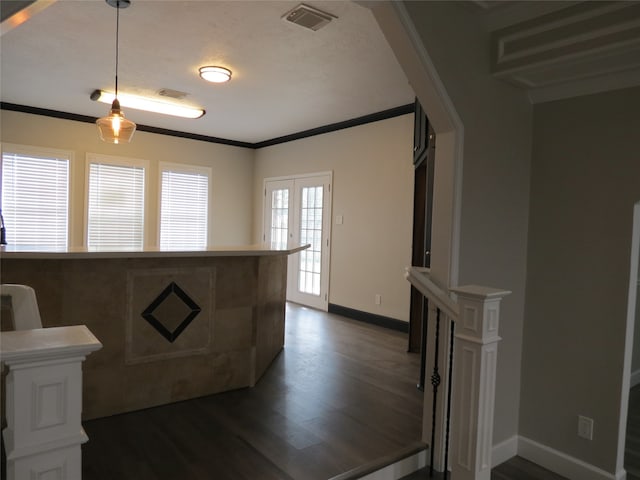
374 117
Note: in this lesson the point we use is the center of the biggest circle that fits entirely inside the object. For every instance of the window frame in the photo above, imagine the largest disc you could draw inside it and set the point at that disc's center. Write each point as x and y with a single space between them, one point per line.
185 168
119 161
46 152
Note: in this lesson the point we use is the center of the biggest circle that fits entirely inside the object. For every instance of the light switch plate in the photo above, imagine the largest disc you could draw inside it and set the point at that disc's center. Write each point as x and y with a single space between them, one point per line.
585 427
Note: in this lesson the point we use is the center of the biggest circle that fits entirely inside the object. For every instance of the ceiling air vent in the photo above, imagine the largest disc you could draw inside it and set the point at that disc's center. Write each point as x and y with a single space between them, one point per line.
308 17
177 94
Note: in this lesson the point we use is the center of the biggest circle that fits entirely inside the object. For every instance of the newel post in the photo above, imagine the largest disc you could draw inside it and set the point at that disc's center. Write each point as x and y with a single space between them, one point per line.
44 401
474 380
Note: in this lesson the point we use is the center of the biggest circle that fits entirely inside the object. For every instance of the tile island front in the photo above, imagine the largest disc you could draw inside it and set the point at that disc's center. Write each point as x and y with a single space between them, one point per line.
173 324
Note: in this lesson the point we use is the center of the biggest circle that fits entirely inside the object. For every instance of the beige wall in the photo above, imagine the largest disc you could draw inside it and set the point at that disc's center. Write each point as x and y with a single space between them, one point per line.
373 191
232 171
585 181
495 188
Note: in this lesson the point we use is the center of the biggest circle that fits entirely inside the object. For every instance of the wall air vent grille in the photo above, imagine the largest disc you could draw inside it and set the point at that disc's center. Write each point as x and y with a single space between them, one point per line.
308 17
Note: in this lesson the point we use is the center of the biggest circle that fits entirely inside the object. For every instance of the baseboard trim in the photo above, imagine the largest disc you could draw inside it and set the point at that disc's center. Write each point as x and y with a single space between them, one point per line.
561 463
635 378
504 451
367 317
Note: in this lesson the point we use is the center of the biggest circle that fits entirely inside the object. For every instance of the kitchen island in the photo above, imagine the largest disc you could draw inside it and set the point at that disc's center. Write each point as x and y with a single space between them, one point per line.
174 324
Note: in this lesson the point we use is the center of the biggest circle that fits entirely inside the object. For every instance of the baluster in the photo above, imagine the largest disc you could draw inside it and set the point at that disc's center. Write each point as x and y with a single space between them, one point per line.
423 343
449 392
435 382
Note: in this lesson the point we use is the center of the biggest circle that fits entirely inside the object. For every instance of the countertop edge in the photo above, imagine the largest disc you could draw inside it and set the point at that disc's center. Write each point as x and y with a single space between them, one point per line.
240 251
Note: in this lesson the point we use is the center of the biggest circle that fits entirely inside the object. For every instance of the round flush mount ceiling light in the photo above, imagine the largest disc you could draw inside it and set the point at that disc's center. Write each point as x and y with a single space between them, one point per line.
215 74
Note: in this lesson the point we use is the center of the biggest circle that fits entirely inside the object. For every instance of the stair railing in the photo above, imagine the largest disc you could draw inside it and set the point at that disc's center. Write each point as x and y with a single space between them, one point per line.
461 354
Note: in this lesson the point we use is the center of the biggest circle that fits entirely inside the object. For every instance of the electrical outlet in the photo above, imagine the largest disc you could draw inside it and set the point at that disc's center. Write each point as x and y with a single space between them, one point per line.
585 427
378 299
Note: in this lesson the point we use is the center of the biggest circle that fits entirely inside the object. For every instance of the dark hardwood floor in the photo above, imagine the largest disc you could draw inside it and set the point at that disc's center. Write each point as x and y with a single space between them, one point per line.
516 468
341 394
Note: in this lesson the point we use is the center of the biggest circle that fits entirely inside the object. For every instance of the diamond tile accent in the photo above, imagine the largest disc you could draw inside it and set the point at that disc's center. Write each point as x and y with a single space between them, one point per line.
157 323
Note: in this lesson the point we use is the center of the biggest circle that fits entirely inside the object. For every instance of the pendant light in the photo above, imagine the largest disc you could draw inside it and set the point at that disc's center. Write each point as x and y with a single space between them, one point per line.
114 128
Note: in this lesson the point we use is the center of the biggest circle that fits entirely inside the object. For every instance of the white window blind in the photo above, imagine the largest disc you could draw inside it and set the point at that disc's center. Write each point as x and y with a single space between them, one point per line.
35 199
115 219
184 207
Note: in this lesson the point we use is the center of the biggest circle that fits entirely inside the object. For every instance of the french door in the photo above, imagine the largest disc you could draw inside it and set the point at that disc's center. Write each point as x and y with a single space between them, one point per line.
297 211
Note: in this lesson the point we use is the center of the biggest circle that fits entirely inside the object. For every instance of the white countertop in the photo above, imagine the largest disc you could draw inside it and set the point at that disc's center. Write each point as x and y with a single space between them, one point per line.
11 252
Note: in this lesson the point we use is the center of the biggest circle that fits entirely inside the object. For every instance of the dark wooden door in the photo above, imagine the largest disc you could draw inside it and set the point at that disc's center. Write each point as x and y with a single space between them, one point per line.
423 156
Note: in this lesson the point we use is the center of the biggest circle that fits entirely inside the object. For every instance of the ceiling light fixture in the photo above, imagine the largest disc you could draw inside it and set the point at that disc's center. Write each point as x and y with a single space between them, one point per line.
114 128
148 104
215 74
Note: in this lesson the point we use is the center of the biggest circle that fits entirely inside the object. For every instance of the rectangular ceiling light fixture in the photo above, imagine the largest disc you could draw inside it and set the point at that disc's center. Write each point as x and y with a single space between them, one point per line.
148 104
308 17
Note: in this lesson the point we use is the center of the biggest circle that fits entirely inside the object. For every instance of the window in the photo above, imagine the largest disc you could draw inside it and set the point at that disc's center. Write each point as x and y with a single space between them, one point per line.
184 202
115 206
35 196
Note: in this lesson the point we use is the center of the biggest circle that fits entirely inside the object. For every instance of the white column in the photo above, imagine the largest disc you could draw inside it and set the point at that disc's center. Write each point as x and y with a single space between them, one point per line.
44 401
474 379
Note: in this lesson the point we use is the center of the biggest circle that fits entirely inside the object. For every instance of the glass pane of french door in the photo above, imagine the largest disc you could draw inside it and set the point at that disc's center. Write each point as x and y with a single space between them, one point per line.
279 218
310 265
278 223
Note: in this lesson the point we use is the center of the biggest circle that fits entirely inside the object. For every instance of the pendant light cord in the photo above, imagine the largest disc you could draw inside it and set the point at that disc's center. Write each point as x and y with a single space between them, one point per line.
117 41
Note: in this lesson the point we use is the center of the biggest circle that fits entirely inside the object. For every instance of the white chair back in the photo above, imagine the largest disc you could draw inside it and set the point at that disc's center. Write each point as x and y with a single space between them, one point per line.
26 315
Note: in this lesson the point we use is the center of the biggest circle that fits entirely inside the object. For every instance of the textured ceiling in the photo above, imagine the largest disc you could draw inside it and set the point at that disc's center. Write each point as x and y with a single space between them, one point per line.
286 78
